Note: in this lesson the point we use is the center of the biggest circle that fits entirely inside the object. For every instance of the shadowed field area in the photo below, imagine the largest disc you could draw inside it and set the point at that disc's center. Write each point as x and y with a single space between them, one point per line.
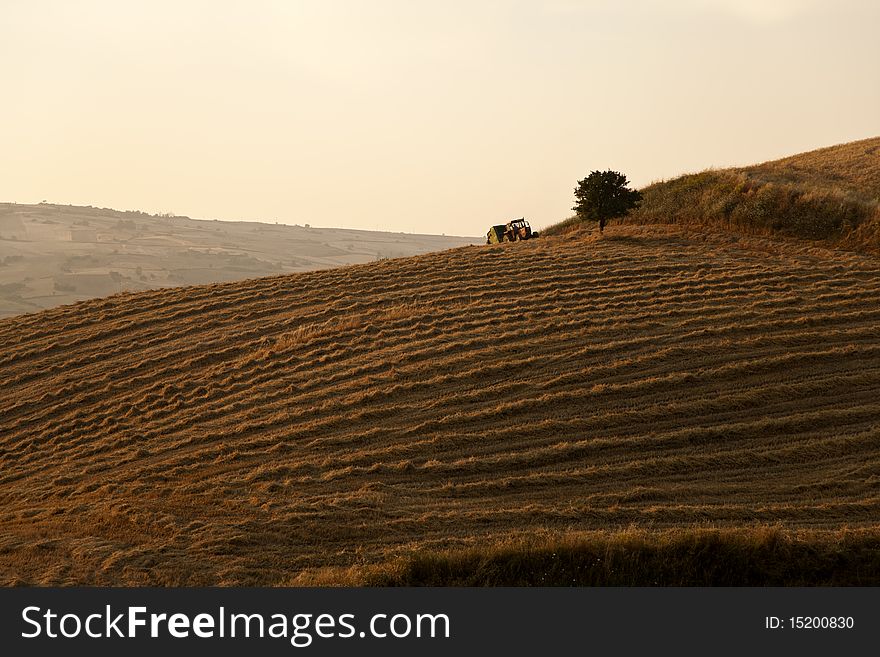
276 430
680 557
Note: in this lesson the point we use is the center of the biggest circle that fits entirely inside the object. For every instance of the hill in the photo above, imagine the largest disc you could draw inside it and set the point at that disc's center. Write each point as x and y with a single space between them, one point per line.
852 168
831 195
52 255
659 397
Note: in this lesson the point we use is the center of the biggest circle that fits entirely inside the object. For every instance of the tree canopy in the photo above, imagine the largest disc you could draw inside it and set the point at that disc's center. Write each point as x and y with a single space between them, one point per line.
604 195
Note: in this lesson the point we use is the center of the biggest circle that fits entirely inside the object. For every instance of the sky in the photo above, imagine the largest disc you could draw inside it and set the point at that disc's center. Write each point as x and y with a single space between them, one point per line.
409 115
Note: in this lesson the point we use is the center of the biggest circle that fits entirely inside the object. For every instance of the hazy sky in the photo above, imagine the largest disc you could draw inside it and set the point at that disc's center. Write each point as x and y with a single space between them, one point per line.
439 116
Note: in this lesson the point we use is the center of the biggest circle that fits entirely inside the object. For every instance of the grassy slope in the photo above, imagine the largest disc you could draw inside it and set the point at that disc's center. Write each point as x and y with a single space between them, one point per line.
831 194
852 168
261 432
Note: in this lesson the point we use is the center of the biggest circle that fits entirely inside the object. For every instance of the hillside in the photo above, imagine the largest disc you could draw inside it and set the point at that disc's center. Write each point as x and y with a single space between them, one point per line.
52 255
853 168
655 382
831 195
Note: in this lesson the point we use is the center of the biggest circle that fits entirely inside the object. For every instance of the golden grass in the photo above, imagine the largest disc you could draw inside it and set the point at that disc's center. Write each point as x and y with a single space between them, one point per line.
657 379
831 195
852 168
735 202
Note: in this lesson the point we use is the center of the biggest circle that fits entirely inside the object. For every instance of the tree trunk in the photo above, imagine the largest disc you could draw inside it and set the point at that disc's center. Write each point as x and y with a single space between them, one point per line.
601 224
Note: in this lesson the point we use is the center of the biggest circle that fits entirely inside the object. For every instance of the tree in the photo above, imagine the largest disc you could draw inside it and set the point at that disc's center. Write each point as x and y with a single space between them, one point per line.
604 195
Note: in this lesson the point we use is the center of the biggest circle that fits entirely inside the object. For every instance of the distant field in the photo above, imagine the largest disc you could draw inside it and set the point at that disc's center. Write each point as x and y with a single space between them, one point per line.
324 426
52 255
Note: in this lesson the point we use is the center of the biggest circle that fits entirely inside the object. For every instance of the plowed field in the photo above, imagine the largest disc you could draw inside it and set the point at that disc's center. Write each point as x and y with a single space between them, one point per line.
244 433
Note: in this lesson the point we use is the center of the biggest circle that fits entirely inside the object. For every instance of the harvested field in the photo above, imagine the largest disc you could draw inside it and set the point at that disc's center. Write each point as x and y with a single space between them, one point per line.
260 432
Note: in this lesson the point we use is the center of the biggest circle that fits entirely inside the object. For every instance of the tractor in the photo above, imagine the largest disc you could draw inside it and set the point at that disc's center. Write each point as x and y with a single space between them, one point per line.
515 230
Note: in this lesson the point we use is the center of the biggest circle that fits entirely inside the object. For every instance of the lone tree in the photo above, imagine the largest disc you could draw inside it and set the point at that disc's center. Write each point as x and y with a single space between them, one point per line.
604 195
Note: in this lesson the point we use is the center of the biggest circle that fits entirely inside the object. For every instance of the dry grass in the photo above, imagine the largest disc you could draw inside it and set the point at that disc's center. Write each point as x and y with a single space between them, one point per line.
264 432
830 195
852 168
736 202
763 556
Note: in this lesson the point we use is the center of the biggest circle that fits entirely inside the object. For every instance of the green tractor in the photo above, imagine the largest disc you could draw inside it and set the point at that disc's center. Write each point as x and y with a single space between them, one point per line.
512 231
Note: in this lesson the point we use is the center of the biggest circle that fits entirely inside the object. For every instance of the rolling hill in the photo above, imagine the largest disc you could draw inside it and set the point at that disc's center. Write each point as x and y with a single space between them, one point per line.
658 388
830 195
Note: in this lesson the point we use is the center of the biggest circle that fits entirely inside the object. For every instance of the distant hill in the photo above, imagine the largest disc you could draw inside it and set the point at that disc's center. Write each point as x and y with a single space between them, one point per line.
57 254
830 195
